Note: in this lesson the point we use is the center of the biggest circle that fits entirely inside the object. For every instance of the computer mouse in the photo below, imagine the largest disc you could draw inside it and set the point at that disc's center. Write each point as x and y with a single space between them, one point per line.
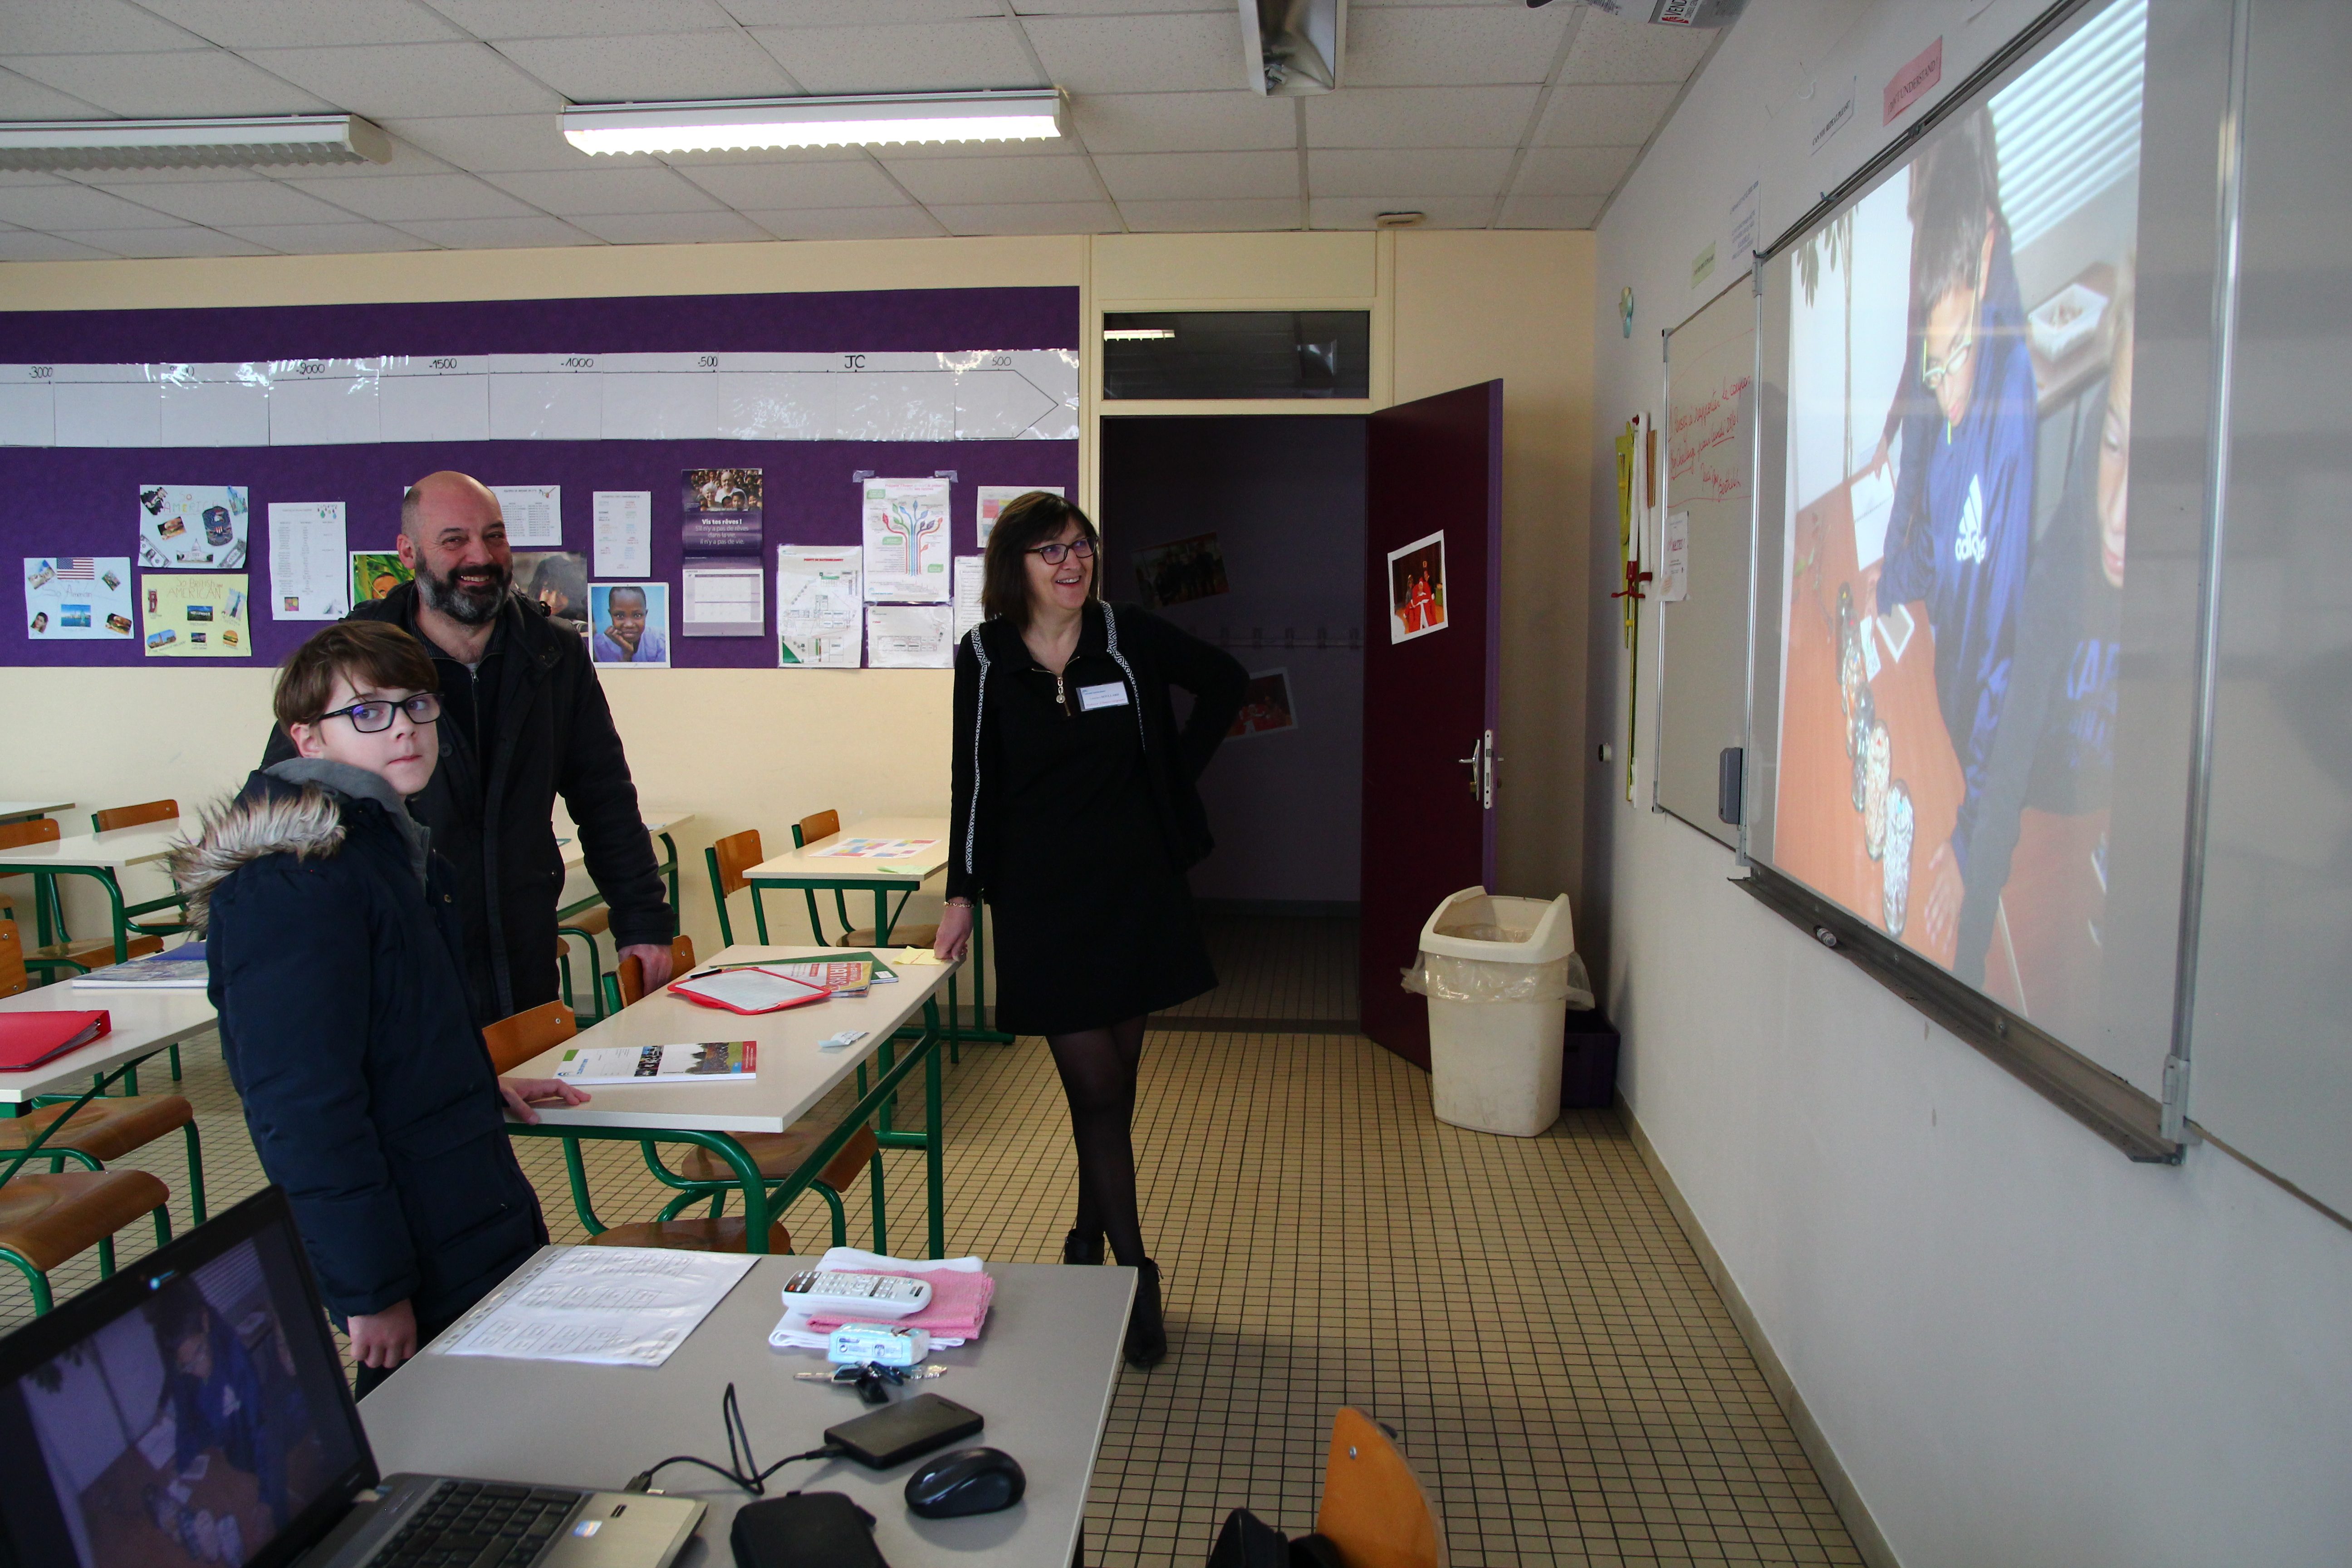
970 1480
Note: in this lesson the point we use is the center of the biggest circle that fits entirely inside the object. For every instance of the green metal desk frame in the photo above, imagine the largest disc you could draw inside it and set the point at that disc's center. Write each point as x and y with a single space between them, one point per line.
764 1200
49 914
667 868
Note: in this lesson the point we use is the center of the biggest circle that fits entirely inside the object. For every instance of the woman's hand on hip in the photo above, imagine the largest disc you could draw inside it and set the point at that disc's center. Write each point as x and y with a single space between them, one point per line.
955 933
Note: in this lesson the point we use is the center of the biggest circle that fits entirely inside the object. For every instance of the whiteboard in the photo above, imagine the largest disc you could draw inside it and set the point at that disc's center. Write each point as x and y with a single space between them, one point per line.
1708 495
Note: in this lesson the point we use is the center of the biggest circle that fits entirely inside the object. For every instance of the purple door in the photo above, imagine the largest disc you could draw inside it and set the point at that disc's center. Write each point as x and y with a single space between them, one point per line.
1433 514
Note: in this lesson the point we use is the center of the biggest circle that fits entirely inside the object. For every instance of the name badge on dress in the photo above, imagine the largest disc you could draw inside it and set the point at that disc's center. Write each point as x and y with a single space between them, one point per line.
1109 694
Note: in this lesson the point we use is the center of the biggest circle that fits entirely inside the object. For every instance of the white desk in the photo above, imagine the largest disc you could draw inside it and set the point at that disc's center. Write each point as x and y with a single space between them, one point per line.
100 857
1042 1375
793 1076
144 1022
25 810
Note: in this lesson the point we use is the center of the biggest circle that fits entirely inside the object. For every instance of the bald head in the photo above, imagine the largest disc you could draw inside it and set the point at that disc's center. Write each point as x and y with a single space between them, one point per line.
454 537
446 494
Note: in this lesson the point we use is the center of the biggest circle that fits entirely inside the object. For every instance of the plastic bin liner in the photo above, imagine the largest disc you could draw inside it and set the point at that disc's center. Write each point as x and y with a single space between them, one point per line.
1449 979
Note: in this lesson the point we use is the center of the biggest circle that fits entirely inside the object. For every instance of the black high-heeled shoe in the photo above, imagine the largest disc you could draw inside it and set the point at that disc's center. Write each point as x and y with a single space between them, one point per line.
1076 1248
1146 1331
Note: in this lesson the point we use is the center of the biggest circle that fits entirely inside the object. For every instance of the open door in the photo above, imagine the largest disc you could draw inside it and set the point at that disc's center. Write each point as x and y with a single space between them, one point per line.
1433 521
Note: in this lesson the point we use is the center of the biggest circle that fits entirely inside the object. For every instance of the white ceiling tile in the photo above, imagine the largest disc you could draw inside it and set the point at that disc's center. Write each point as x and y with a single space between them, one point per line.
262 24
21 98
854 13
1358 212
188 82
1610 48
329 238
64 207
1173 176
1233 121
1121 7
498 233
905 221
1197 52
570 193
650 65
412 80
807 183
1550 212
1452 47
501 19
487 142
87 27
399 198
1573 171
1602 116
972 181
112 179
24 245
1031 217
671 228
934 59
30 178
1420 116
184 240
1228 216
241 203
1471 171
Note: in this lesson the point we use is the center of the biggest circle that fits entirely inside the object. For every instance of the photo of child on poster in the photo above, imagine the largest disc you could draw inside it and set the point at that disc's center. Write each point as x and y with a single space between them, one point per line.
632 621
557 581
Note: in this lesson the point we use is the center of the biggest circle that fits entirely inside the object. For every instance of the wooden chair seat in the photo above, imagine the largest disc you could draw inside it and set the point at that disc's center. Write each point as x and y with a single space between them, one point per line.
93 952
901 935
779 1154
105 1129
596 922
724 1235
45 1220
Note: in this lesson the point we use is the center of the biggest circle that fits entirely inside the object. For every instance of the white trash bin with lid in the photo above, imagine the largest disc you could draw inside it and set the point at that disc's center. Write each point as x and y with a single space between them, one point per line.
1498 974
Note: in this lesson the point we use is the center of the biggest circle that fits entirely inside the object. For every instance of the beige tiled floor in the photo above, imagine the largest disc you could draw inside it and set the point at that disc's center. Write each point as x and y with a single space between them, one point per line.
1524 1313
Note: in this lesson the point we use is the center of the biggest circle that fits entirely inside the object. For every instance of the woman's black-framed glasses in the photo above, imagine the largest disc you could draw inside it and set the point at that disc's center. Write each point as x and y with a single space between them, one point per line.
1057 552
374 716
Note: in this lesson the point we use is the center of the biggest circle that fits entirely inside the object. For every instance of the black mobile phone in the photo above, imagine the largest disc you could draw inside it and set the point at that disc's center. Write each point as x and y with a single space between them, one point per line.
909 1428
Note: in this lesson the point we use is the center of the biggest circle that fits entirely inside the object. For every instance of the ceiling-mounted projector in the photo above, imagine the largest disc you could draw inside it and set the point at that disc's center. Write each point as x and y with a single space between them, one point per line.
1293 47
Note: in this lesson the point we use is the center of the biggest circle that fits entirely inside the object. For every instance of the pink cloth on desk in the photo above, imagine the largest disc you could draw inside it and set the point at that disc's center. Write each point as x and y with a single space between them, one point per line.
960 1300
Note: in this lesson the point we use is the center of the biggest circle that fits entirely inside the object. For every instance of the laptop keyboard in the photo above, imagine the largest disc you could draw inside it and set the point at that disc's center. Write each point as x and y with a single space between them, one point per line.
478 1524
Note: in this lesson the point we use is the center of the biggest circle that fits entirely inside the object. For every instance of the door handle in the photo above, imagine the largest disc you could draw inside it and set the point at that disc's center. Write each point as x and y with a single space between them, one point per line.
1480 763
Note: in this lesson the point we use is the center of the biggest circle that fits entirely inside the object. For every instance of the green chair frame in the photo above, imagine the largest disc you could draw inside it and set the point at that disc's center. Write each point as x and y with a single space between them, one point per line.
36 1280
49 925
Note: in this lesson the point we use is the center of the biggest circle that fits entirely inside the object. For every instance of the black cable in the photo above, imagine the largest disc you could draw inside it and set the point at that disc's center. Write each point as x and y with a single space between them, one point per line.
739 1454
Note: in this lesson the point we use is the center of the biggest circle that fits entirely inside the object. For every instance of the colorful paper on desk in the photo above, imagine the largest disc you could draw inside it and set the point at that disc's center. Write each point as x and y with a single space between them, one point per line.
841 976
182 969
874 849
605 1306
710 1061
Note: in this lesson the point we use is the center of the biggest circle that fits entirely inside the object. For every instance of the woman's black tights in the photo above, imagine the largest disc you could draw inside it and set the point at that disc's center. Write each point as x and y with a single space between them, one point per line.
1098 1068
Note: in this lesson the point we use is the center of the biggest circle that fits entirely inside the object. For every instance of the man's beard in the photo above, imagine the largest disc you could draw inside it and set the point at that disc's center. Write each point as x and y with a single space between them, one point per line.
468 604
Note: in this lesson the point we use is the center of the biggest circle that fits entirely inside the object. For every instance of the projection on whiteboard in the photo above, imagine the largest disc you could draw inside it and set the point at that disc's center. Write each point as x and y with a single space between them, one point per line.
1959 418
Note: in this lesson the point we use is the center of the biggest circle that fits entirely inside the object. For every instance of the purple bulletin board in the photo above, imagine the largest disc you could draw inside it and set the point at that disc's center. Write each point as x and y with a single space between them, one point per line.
84 502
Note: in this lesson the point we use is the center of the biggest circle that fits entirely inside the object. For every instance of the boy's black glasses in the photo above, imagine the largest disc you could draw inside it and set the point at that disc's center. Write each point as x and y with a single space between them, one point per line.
1084 549
374 716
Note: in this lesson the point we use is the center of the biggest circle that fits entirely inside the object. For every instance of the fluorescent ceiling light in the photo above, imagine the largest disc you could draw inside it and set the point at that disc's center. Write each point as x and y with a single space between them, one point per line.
869 119
192 143
1136 335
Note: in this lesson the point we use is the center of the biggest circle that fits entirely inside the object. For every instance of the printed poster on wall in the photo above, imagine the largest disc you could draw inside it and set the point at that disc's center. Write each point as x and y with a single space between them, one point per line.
907 541
376 574
309 578
78 598
632 624
994 499
1417 589
723 510
558 581
1267 708
193 528
910 636
820 611
192 616
971 580
624 533
534 514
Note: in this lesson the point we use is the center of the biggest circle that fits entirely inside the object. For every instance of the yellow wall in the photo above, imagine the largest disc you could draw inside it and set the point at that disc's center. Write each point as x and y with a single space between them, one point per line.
759 749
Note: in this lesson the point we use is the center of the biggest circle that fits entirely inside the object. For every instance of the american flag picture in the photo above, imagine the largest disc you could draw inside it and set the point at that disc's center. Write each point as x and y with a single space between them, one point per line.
78 569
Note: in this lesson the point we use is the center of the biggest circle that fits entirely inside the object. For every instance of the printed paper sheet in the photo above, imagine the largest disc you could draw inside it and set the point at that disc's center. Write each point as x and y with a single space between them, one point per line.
534 515
309 567
605 1306
993 499
820 618
625 533
907 541
970 574
910 636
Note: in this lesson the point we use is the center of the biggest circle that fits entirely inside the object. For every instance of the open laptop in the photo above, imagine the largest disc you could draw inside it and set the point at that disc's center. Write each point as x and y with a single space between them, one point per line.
192 1411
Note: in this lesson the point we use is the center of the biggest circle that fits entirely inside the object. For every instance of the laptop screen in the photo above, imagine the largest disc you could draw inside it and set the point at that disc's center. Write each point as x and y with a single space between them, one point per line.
190 1411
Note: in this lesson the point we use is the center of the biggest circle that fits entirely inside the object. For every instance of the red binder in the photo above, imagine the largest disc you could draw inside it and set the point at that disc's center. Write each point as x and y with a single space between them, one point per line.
29 1039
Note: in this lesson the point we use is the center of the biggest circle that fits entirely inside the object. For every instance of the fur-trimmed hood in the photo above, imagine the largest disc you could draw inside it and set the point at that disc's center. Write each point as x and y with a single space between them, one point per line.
302 822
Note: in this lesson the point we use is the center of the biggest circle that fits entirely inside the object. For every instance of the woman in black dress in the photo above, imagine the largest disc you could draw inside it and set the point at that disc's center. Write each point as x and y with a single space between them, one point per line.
1076 817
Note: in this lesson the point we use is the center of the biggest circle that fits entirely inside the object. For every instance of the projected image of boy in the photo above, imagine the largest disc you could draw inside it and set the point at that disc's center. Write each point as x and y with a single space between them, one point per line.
1963 528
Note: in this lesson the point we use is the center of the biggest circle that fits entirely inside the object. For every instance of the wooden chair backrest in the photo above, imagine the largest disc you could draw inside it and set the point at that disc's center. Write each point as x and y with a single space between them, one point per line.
115 816
820 824
1374 1508
738 853
631 974
38 830
12 977
515 1041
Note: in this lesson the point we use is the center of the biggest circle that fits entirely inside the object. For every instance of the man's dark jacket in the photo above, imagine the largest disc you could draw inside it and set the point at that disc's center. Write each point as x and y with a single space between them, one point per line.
554 735
332 936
